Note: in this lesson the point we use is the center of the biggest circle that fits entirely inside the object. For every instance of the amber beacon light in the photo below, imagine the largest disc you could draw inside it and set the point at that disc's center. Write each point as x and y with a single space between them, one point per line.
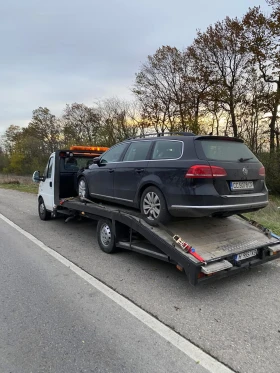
89 148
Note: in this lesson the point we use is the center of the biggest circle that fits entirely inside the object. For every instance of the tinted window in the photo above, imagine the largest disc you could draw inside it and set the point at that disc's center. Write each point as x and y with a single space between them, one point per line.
167 149
71 164
137 151
75 164
50 167
222 150
114 154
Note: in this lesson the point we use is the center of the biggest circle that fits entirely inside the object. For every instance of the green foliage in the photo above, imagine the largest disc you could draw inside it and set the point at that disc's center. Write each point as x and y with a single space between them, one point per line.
28 149
4 161
272 167
269 217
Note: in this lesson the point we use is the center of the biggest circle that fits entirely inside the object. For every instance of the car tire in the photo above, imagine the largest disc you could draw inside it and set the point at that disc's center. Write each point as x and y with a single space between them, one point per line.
83 188
153 206
105 236
44 214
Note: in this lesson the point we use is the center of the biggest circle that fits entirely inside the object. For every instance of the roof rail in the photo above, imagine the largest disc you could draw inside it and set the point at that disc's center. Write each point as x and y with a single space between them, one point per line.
161 134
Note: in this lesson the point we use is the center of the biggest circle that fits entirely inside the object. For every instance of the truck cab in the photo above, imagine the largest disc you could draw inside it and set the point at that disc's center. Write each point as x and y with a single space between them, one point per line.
59 179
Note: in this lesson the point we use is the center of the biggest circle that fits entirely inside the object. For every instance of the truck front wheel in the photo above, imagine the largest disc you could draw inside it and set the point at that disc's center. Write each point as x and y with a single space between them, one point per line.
105 236
44 214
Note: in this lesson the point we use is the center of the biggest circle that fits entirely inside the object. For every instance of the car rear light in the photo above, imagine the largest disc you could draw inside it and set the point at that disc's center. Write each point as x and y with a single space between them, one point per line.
262 171
205 172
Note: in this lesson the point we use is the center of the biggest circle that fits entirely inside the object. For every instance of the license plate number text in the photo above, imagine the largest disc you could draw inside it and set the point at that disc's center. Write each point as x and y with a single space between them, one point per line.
241 185
246 255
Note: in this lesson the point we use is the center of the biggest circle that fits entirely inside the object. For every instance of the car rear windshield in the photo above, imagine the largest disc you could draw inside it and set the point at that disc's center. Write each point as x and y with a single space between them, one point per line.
224 150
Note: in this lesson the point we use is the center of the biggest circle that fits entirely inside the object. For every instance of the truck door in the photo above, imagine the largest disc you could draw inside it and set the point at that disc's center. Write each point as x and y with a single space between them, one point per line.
47 186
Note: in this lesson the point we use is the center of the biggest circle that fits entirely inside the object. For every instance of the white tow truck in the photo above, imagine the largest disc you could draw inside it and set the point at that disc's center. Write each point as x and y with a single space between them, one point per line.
204 248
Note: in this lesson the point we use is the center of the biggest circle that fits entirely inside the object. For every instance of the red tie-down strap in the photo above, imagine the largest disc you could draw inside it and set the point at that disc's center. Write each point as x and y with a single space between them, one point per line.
188 248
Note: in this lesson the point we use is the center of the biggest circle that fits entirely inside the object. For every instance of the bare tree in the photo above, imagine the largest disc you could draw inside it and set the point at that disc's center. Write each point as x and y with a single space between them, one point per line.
115 124
220 55
263 42
81 124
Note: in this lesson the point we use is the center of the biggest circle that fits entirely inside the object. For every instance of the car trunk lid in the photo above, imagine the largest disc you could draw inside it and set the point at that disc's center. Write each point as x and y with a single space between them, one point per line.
241 165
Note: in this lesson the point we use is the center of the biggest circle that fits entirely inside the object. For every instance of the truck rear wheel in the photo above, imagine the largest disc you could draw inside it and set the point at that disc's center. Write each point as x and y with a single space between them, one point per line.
44 214
105 236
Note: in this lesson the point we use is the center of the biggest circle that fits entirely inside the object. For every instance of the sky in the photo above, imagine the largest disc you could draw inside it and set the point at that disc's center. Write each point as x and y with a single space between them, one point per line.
63 51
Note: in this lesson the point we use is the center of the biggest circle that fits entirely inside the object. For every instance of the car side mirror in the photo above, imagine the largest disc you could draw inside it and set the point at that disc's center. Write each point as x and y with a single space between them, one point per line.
96 160
36 178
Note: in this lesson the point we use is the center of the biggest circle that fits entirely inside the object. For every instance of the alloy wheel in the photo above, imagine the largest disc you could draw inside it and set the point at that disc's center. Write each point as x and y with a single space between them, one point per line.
151 205
82 188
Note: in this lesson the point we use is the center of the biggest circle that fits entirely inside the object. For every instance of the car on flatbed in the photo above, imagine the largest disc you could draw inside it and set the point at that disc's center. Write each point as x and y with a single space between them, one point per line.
178 176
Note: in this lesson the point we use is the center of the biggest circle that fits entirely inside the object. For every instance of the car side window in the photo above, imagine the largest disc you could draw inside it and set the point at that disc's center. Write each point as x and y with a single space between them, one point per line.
167 149
114 154
137 151
50 167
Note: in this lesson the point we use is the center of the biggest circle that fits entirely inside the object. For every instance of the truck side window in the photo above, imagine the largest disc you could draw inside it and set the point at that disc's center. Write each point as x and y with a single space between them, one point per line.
50 167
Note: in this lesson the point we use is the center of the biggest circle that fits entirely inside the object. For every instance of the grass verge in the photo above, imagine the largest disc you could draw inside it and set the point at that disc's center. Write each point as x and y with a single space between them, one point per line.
270 216
17 182
29 188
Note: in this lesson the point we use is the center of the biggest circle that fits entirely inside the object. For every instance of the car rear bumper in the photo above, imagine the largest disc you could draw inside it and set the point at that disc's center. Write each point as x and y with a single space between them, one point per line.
199 211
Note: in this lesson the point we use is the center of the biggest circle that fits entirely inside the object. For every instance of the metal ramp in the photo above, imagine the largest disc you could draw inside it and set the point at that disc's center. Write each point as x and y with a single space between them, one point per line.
215 238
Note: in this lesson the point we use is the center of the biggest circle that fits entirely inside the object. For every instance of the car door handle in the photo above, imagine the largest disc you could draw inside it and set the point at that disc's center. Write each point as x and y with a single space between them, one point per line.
51 184
139 170
111 170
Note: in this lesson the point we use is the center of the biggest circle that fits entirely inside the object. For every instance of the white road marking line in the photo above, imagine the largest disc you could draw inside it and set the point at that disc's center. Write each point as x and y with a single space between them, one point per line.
189 349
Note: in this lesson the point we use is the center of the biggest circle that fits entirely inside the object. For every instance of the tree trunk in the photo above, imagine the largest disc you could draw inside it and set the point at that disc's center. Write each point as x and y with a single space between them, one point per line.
196 115
232 114
274 118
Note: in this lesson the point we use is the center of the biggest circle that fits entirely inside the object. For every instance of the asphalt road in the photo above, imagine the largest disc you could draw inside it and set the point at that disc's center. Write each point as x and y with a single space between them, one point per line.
236 320
51 320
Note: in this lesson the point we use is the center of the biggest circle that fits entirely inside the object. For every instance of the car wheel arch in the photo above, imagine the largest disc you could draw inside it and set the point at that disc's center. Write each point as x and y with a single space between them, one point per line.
145 186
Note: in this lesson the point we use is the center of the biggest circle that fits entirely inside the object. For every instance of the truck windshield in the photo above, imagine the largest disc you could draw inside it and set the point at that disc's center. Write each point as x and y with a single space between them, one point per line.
76 163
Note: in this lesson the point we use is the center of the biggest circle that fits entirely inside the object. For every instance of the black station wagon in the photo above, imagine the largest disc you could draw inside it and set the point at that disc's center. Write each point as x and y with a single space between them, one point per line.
179 175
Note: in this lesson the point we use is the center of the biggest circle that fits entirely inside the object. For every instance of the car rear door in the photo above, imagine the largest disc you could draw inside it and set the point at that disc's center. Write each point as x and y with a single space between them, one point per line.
130 172
244 173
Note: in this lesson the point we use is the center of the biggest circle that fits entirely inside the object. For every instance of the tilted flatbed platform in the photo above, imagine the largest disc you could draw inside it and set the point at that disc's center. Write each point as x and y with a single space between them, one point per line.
218 241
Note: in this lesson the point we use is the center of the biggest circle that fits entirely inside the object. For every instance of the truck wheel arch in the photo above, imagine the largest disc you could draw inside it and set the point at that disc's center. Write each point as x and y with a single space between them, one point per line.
44 214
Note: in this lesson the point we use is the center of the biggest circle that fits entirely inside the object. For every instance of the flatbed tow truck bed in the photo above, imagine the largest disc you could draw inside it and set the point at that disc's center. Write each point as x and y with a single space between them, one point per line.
225 245
204 248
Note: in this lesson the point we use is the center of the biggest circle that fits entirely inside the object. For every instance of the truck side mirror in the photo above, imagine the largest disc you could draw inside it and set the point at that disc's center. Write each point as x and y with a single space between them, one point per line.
36 178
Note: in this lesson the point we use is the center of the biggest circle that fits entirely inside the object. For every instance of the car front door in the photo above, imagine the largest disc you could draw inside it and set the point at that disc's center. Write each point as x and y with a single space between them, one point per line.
130 172
46 188
101 176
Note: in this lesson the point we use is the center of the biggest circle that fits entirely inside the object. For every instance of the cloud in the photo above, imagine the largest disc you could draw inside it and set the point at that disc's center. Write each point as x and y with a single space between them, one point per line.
58 52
